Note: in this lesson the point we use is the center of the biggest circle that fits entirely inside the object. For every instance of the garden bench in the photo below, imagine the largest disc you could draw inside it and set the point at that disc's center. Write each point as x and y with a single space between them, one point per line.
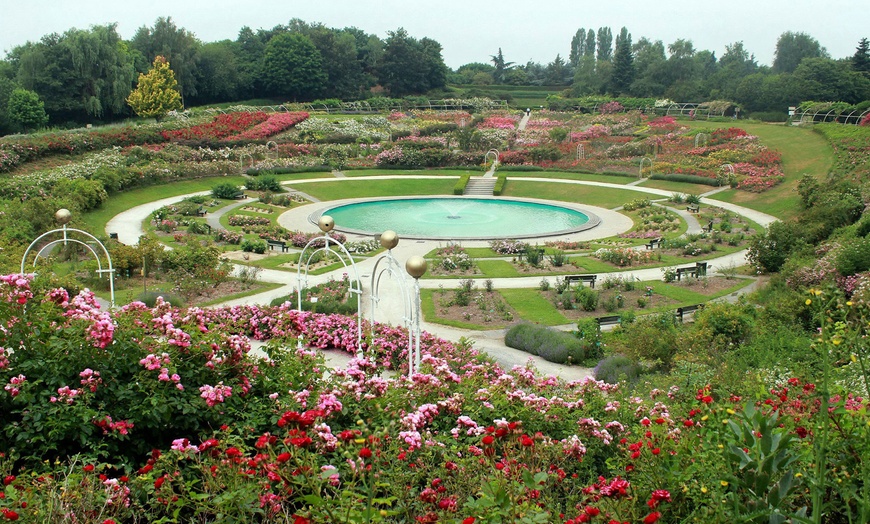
201 212
693 208
700 269
681 311
691 271
654 243
612 320
275 244
588 279
239 195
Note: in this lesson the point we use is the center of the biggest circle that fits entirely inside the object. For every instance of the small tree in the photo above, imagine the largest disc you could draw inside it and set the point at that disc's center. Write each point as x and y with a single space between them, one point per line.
25 110
157 92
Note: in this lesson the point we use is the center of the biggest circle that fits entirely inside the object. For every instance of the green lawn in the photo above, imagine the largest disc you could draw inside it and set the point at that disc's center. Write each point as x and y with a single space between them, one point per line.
803 151
118 202
531 306
581 194
337 190
412 172
588 177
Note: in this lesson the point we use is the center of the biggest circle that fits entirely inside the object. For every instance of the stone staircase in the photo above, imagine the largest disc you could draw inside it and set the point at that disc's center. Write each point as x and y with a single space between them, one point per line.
480 187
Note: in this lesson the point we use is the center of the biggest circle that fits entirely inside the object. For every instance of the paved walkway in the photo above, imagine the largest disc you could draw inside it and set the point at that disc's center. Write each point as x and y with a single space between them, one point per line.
390 309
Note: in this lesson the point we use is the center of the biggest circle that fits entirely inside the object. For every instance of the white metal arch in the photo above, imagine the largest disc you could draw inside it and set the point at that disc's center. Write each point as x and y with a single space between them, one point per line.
66 239
302 281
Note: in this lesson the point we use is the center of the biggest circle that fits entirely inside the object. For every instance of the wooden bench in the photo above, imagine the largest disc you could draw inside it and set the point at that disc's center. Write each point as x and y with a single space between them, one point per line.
654 243
239 195
275 244
693 208
588 279
201 212
682 311
612 320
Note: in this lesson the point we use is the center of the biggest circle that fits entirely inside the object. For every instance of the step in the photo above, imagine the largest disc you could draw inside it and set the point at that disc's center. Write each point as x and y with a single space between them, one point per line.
480 186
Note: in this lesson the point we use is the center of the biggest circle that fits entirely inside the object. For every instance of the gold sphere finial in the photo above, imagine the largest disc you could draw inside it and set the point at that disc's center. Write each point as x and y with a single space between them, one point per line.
389 239
326 223
63 216
416 266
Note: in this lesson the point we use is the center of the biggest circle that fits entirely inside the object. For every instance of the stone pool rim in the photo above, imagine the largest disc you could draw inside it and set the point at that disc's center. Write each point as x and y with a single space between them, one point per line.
592 222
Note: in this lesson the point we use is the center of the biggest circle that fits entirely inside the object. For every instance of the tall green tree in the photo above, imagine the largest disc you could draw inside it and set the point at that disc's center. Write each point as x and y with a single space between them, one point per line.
25 110
501 67
46 68
590 43
861 58
578 47
217 74
824 79
605 44
156 94
649 64
177 45
411 66
736 64
623 64
791 48
103 66
558 73
293 68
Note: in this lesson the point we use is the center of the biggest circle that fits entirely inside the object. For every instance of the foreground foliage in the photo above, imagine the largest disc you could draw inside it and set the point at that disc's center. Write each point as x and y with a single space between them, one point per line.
166 415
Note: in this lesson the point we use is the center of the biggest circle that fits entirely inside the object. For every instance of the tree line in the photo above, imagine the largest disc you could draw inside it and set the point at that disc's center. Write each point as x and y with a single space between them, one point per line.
599 64
86 75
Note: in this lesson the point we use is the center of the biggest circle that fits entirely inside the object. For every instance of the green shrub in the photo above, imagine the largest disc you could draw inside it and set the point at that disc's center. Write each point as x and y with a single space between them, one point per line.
551 345
618 368
652 338
225 190
853 257
264 183
586 298
500 182
149 298
459 188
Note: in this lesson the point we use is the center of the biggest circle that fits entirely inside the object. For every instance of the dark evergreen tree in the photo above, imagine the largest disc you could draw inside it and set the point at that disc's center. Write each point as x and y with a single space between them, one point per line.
623 64
861 59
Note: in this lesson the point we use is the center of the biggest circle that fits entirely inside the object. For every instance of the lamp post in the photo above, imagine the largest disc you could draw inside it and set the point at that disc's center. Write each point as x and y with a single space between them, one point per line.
390 239
416 267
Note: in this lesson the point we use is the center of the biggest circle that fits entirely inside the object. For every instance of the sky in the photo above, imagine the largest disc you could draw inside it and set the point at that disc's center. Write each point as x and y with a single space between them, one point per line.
471 30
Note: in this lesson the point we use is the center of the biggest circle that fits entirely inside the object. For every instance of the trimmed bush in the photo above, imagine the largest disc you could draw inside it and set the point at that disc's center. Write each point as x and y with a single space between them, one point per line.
459 188
551 345
149 298
617 368
499 184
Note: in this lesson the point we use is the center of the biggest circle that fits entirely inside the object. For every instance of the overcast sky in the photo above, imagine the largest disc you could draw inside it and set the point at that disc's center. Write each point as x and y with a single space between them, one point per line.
471 30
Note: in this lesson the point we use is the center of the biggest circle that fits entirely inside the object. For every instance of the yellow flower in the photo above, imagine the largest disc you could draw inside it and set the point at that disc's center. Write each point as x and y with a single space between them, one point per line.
808 302
360 440
720 446
703 489
854 358
724 483
704 418
836 341
730 411
848 302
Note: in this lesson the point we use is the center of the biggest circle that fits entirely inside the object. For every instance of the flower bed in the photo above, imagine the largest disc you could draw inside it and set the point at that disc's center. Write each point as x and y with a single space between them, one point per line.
162 414
222 127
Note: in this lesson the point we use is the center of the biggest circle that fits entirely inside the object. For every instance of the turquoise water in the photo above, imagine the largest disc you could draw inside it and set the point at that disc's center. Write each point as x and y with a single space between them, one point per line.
458 218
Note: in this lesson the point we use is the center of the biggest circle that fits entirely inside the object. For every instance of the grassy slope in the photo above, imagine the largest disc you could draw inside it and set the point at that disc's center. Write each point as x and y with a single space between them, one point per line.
803 151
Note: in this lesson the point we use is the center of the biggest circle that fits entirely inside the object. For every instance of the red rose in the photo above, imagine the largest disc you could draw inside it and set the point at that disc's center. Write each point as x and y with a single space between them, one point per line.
365 453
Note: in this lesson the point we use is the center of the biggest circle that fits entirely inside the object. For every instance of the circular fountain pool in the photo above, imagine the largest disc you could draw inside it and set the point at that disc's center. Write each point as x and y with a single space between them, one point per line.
448 218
